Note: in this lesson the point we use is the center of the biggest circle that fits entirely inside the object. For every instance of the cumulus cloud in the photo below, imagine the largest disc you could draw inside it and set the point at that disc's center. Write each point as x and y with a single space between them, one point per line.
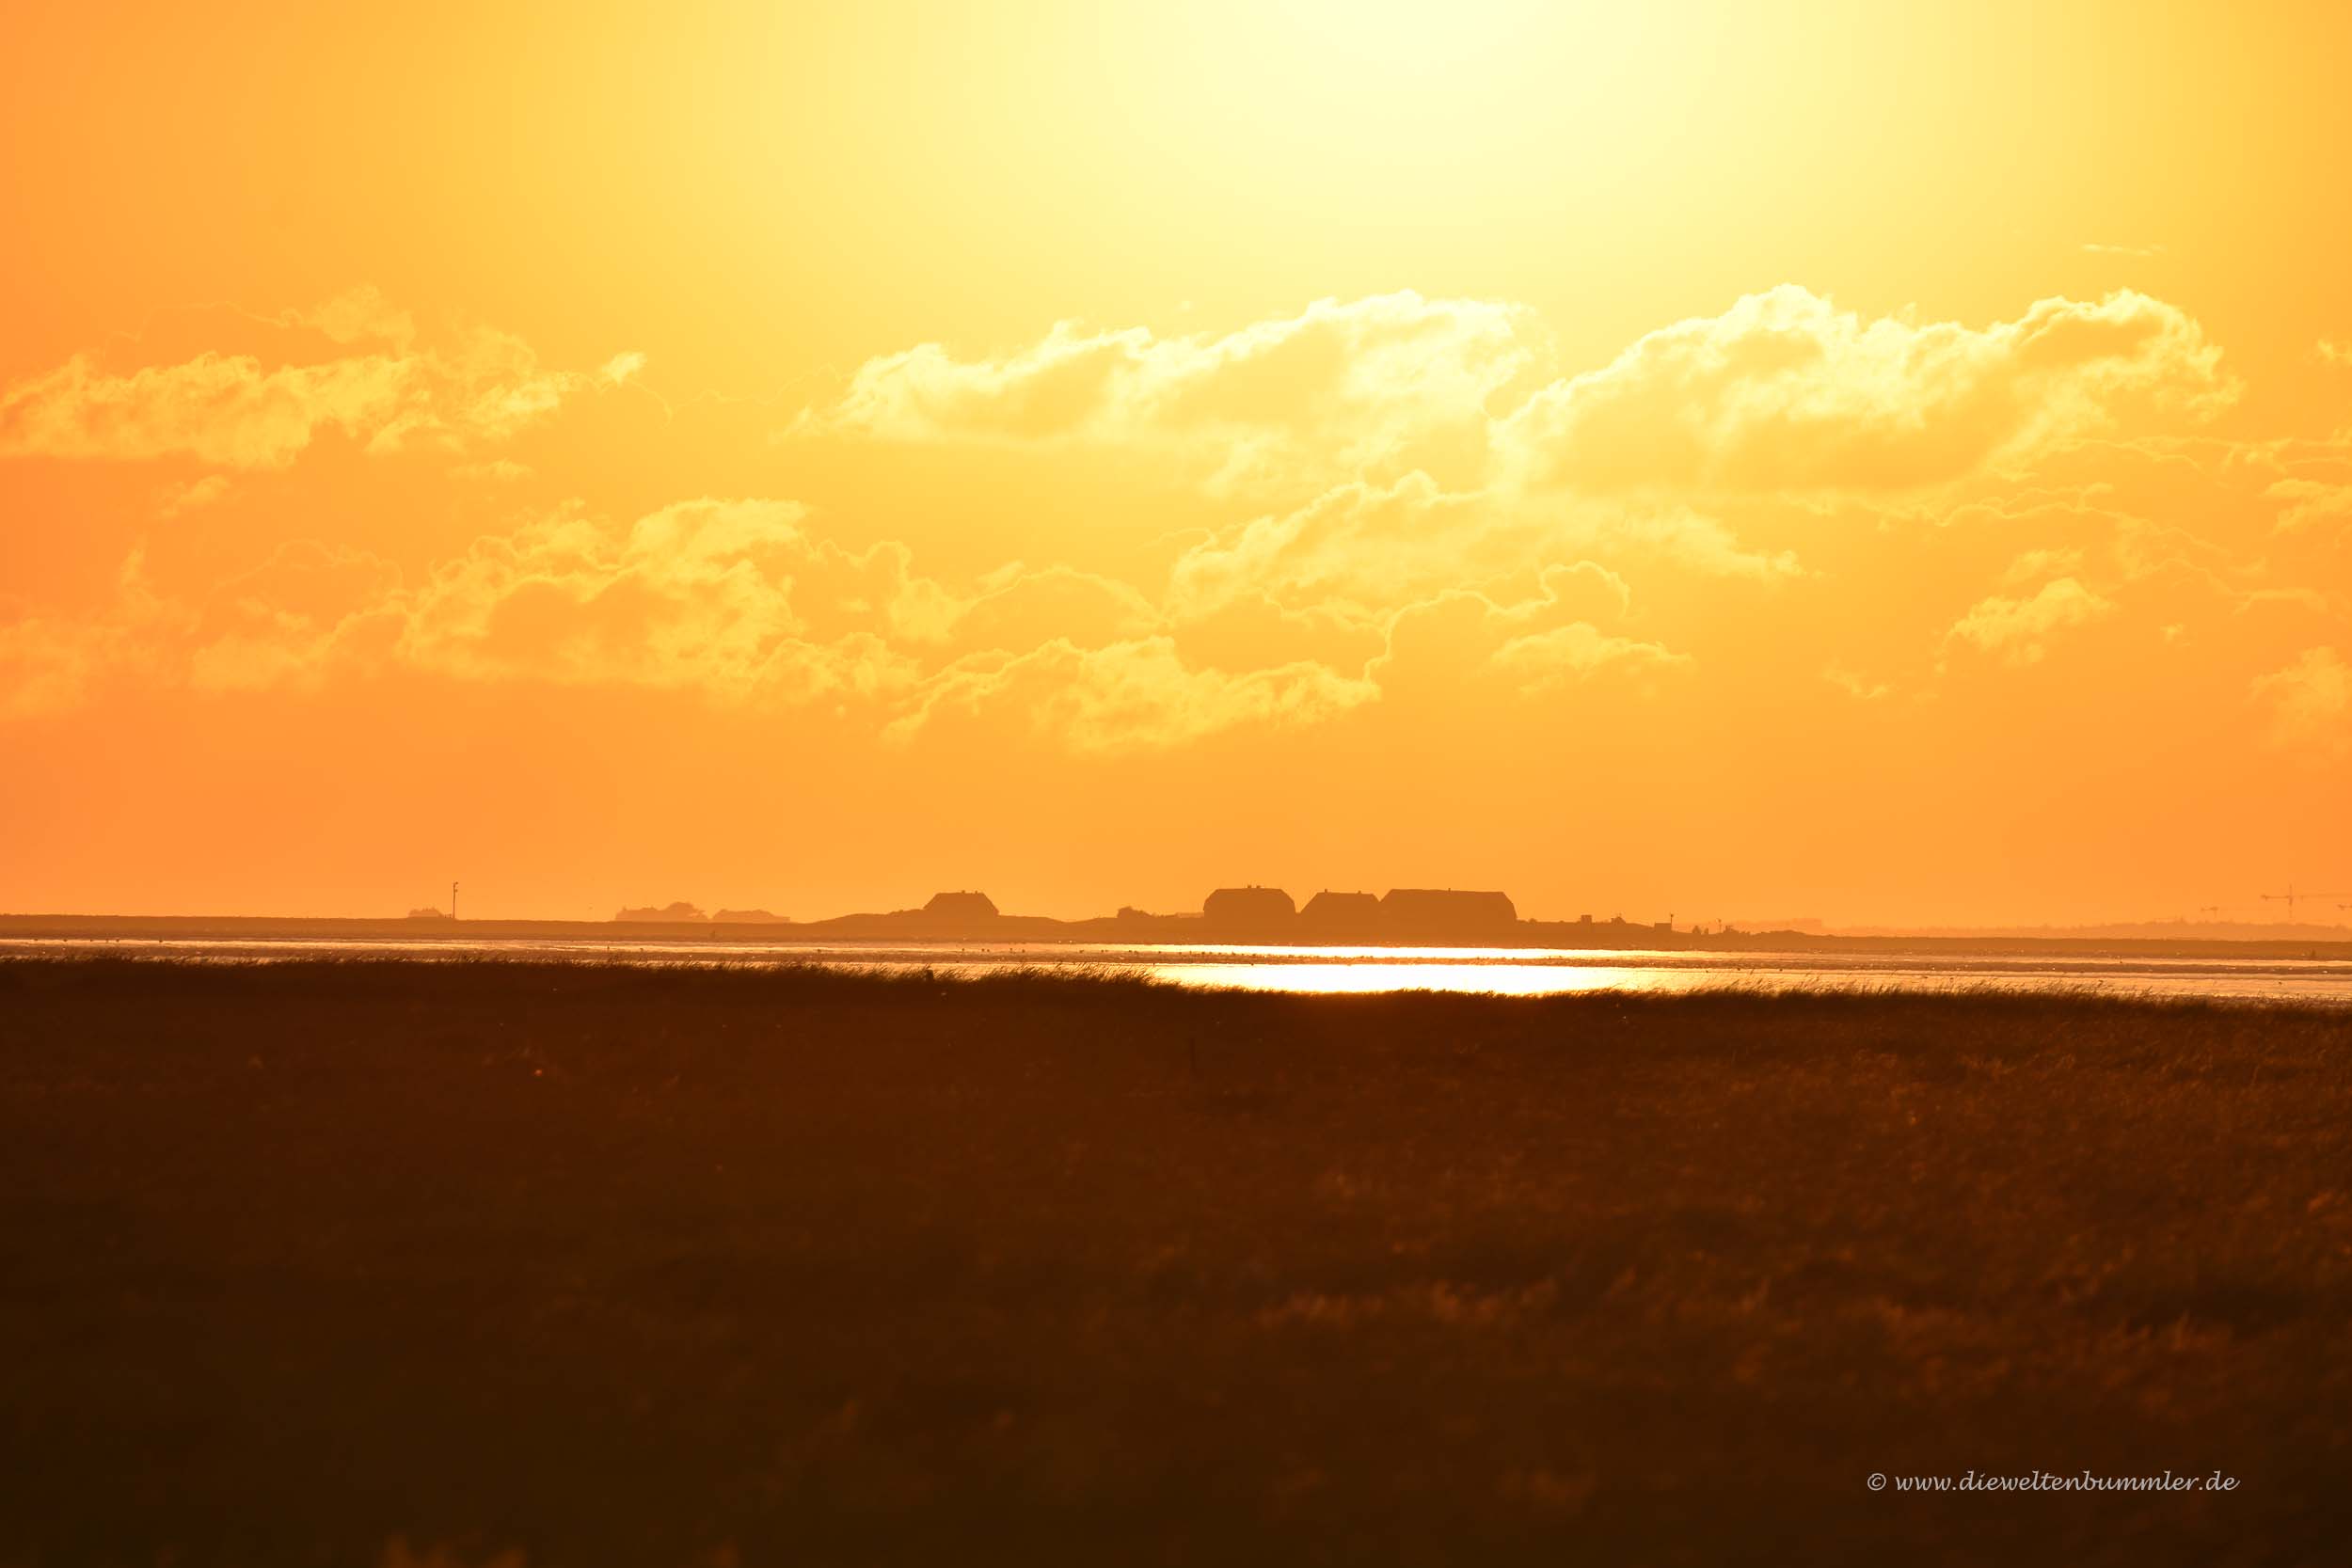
1677 536
2019 630
233 411
1340 387
732 597
1579 650
1364 543
1782 393
226 410
1785 393
737 601
1719 445
2309 703
310 612
1446 646
1136 696
1364 549
1016 607
1608 539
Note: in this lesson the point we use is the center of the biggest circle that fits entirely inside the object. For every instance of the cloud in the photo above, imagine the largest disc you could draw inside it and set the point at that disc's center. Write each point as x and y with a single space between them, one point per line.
186 496
732 600
732 597
2309 703
51 664
1253 632
2334 353
233 411
1364 549
1017 607
1342 388
2140 250
357 315
735 601
313 611
2311 502
1136 696
1445 647
2018 630
1543 661
1677 536
1770 493
1370 544
225 410
738 602
1782 395
1786 393
498 470
2040 565
1854 686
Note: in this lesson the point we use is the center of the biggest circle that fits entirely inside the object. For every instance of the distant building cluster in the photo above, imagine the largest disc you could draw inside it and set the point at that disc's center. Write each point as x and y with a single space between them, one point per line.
1401 912
1436 916
683 913
961 906
679 913
1249 906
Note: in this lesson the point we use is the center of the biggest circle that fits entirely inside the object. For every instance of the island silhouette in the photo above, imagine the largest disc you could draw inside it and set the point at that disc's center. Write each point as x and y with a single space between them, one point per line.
1414 916
1246 915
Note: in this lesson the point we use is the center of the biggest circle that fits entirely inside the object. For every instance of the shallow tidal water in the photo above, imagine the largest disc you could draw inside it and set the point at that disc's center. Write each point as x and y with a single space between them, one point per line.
1505 971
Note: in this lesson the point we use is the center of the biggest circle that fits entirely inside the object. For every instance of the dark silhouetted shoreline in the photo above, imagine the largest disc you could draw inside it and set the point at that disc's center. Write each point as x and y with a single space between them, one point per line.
915 925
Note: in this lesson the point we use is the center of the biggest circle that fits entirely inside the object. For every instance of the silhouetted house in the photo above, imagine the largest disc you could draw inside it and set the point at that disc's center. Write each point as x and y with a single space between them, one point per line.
1444 914
961 906
673 914
750 917
1330 913
430 915
1252 908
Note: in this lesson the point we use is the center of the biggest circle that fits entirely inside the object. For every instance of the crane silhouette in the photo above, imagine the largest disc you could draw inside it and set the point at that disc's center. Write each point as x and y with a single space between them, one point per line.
2294 895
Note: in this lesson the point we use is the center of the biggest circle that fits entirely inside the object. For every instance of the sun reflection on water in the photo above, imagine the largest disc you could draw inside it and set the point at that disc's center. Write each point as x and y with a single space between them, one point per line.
1508 979
1342 971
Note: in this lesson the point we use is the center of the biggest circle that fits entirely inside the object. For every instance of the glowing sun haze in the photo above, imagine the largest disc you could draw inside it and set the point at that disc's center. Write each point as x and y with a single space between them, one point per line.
1886 461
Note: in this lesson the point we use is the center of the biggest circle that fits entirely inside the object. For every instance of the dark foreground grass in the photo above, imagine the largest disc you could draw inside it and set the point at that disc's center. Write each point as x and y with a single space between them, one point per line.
393 1262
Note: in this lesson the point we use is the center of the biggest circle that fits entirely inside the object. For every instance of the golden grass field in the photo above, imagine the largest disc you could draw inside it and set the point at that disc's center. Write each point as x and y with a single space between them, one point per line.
455 1263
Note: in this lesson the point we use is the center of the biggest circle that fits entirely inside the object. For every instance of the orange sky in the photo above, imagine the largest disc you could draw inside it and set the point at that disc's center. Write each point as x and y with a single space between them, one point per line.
1888 463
